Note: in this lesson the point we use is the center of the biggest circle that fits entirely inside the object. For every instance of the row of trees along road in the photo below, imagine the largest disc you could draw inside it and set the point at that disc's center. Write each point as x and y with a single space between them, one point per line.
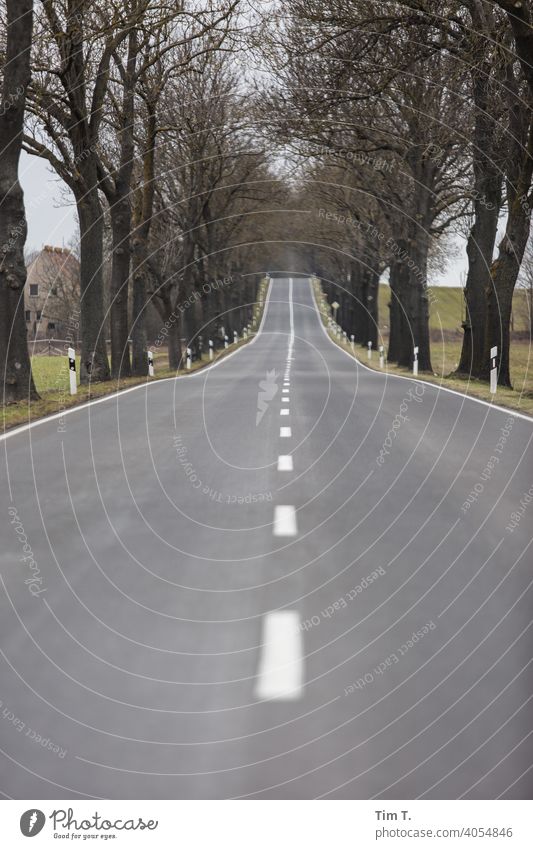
409 122
135 106
442 99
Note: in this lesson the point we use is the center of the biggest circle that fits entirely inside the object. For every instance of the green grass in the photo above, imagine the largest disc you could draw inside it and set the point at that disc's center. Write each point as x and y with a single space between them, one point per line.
445 352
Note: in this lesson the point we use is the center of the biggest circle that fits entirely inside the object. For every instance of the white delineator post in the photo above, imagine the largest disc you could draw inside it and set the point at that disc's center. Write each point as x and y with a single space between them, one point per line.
225 341
381 357
493 370
189 352
150 364
72 371
370 350
235 337
352 341
210 349
415 360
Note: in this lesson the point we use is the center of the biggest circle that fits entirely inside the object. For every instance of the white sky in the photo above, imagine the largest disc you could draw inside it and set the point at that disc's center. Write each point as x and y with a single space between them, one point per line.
50 222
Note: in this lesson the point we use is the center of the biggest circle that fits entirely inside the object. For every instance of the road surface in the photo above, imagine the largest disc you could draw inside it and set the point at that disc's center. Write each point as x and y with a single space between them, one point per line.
286 576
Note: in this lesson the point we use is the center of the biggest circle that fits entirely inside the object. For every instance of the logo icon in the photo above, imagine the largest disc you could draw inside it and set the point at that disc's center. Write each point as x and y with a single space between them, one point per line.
267 392
32 822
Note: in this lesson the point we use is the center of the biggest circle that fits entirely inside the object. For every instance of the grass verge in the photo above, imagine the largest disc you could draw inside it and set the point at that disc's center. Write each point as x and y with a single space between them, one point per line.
445 357
51 378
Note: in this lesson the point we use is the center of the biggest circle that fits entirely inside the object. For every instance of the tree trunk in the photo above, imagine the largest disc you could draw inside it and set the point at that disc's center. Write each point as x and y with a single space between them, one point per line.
504 273
395 310
174 345
142 224
482 236
415 329
94 364
120 274
17 379
121 218
370 289
139 354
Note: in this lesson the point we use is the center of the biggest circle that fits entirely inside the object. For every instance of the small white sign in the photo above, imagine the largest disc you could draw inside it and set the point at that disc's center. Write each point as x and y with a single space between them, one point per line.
72 371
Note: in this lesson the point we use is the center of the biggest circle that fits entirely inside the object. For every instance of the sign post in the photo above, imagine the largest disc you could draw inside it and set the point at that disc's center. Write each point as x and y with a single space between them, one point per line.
493 370
72 371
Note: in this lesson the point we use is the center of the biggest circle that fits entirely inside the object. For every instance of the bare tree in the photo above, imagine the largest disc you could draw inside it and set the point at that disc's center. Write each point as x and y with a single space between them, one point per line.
17 379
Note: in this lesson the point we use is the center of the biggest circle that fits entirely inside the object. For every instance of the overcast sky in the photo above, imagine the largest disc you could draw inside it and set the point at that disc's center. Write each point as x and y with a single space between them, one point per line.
52 218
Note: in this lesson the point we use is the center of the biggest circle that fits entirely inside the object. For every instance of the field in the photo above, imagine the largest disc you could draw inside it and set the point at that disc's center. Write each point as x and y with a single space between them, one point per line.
447 311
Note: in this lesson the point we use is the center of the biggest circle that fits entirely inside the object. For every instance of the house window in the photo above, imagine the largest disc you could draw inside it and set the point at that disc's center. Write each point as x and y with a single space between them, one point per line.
28 315
39 313
34 290
51 325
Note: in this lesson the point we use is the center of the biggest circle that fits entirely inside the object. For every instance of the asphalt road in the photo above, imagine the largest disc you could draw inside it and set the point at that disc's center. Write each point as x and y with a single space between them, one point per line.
224 599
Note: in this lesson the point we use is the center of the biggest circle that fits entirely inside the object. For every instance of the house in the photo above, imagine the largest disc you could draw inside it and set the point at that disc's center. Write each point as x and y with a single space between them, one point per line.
51 294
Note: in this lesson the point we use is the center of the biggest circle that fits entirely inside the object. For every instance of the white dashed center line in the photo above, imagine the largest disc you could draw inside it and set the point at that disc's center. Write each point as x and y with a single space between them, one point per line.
280 673
284 521
284 411
285 432
285 463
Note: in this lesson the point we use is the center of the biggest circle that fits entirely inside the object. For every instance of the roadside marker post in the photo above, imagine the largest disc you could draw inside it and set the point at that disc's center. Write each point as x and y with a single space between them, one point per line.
235 337
352 342
72 371
415 360
226 341
189 357
381 357
210 349
150 364
493 370
370 350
